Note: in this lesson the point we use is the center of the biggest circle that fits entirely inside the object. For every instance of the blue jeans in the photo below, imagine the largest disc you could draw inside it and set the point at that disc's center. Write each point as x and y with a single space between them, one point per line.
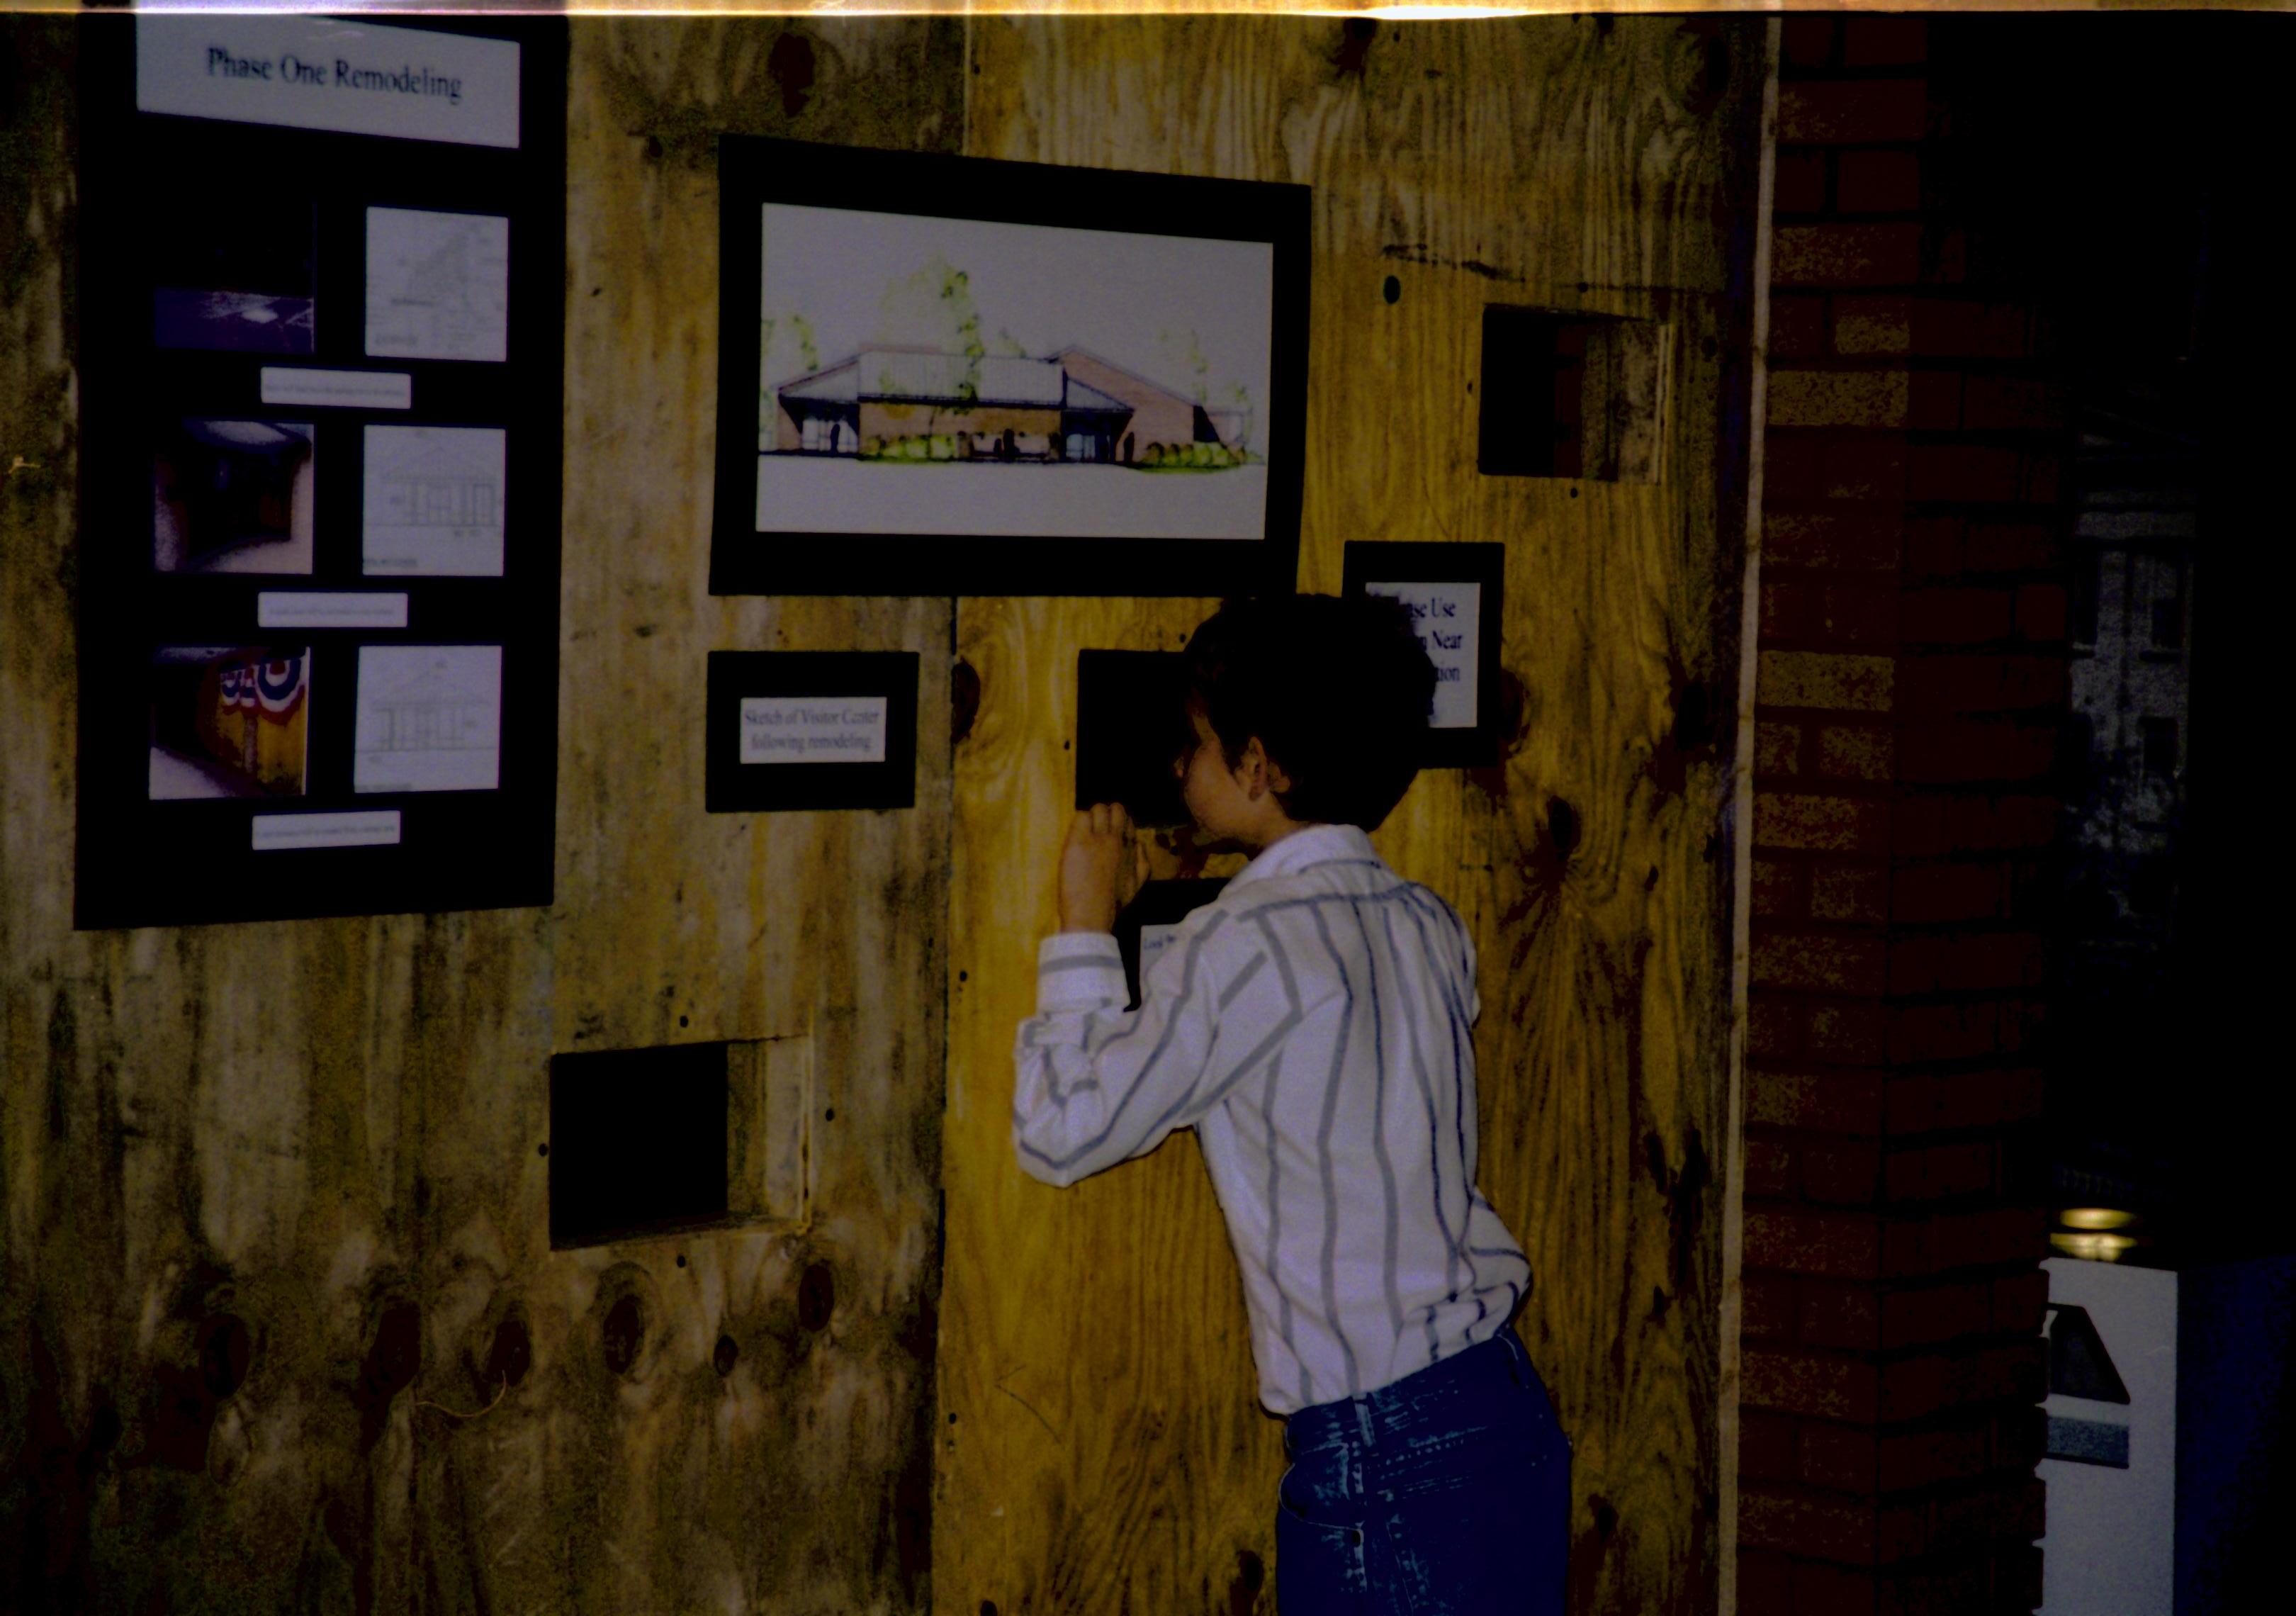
1444 1494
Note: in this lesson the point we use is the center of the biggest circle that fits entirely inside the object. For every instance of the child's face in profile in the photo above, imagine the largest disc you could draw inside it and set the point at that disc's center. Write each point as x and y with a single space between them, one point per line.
1215 796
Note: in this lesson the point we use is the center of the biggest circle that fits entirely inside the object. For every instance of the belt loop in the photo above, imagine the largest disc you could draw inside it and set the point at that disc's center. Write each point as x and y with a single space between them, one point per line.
1363 1421
1518 1357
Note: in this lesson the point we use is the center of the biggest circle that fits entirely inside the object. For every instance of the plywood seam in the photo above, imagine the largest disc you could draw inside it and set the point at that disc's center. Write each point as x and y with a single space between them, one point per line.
1741 860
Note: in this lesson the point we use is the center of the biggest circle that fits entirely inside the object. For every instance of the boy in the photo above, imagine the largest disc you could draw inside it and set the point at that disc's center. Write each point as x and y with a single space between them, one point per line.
1312 1024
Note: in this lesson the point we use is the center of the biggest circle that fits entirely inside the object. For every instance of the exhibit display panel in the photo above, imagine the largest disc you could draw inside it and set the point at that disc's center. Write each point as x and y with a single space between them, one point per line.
321 360
943 375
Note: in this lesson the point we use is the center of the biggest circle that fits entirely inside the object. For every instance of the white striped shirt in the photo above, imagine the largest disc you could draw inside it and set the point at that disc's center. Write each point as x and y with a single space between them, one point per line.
1312 1024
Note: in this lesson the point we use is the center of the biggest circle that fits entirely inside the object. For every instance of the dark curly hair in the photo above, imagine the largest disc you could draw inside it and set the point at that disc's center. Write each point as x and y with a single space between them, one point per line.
1337 690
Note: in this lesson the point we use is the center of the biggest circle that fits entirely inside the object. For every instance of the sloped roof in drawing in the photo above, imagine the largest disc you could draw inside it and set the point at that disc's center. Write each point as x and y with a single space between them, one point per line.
896 374
1083 397
1147 383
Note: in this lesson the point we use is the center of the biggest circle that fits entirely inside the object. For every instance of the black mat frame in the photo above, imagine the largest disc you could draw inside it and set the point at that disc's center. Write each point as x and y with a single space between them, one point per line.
141 862
754 171
1390 561
731 786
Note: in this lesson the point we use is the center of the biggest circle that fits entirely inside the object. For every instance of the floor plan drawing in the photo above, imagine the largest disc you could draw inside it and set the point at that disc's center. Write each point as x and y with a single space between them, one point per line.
438 284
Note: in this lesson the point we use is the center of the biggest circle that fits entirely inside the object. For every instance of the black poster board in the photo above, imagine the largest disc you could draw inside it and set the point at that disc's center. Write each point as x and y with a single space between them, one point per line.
947 375
320 371
1453 593
790 730
1132 726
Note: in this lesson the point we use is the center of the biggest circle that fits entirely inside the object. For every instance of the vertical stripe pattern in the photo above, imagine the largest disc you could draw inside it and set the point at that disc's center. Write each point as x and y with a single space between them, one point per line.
1312 1025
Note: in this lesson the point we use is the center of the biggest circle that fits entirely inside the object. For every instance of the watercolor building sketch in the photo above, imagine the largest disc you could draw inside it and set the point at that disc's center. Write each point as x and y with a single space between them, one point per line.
1034 376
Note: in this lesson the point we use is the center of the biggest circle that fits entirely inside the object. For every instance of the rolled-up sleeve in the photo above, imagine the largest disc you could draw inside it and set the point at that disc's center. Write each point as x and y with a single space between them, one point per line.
1095 1083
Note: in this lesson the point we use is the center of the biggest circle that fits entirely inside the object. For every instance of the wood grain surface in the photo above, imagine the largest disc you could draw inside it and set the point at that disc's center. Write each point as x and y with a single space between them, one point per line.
280 1327
1101 1449
330 1131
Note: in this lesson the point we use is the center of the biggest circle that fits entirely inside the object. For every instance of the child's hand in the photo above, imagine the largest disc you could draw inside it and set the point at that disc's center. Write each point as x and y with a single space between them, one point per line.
1101 867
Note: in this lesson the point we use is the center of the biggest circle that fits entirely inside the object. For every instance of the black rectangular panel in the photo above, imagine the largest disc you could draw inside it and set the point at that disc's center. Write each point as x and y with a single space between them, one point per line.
637 1142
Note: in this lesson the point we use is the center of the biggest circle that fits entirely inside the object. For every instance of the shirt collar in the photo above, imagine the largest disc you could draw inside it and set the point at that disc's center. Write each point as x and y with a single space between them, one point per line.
1303 850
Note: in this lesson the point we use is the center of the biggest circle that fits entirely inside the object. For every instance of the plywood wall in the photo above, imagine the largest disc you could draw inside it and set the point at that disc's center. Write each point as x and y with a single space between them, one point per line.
329 1131
273 1203
1102 1448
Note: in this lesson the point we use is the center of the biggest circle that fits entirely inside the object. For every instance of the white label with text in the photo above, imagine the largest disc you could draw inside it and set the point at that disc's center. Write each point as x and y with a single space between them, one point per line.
376 829
330 73
1449 619
813 729
358 390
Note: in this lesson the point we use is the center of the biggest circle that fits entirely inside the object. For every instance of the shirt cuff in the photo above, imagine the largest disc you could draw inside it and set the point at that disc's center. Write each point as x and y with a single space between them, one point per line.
1078 970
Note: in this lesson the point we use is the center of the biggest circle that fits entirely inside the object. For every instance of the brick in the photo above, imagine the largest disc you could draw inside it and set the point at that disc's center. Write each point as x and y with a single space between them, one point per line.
1978 822
1847 255
1814 678
1764 1582
1968 473
1832 1102
1924 1103
1935 1313
1822 962
1944 1241
1863 615
1927 894
1768 1306
2007 959
1884 41
1816 1524
1788 612
1863 466
1943 1032
1941 1172
1839 1457
1808 40
1950 683
1849 1034
1766 1447
1961 753
1834 1590
1849 894
1831 543
1878 182
2019 1436
1798 327
1945 257
1911 1388
2041 613
1842 1172
1934 547
1828 1245
1816 823
1935 401
2018 1301
1777 747
2017 1580
1770 1168
1957 329
1775 1026
1852 110
2013 1513
2012 404
1837 397
1781 889
1954 616
1871 325
1850 752
2013 547
1843 1317
1925 1458
1799 187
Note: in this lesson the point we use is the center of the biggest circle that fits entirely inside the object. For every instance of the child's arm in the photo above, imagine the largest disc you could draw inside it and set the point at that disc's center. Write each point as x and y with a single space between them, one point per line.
1096 1084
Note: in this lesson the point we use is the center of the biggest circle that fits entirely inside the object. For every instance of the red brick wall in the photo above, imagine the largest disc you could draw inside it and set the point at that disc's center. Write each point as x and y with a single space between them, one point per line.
1912 674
